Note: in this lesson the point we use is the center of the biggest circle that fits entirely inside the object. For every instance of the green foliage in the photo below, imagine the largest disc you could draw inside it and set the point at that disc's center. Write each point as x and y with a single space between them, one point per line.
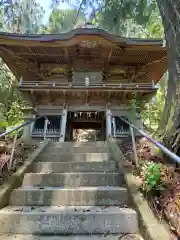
3 124
116 16
154 27
19 132
15 114
153 110
63 20
22 16
151 175
126 18
133 106
10 98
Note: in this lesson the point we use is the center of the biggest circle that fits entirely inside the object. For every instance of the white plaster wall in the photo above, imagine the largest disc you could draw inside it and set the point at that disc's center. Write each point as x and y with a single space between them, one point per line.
126 113
49 110
120 113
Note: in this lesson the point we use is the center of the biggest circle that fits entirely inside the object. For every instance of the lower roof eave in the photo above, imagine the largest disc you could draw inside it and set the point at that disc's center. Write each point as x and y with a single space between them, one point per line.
39 89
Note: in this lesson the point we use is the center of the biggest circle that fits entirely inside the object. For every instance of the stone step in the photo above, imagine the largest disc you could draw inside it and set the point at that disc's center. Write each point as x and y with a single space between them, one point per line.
83 196
85 149
67 220
62 167
76 237
71 157
72 179
78 144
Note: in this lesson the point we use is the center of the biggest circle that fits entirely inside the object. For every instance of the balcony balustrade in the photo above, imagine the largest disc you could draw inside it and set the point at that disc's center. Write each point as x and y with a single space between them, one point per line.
80 85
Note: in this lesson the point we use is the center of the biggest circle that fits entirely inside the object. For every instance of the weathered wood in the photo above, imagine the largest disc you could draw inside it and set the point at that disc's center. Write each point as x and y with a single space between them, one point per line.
95 50
63 125
134 146
54 68
108 124
12 151
45 128
114 127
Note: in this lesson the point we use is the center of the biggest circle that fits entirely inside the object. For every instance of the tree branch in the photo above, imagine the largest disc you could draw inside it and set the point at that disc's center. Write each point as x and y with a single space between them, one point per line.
78 12
2 2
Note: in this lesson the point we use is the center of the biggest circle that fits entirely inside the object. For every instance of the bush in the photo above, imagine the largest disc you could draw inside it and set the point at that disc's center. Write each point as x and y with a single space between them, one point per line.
151 175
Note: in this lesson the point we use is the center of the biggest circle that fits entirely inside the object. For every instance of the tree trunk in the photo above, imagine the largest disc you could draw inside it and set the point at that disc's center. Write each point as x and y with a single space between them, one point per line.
170 125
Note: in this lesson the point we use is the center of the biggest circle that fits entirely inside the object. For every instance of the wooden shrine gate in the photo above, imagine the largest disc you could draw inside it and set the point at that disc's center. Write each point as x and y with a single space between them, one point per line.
85 126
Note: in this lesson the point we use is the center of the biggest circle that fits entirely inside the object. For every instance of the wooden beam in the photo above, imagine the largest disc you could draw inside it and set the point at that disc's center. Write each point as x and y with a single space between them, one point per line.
17 56
33 97
108 123
65 96
113 72
106 56
77 37
81 90
63 124
109 96
40 54
142 70
86 97
27 64
118 68
52 97
109 55
132 76
66 54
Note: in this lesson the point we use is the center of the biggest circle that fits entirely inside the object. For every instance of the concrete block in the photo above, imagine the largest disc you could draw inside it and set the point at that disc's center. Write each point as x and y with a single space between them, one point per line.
67 220
72 179
83 196
72 157
90 149
76 237
150 226
16 179
78 144
62 167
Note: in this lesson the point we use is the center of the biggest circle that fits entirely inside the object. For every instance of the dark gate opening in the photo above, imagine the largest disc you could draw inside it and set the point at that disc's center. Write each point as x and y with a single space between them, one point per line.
85 126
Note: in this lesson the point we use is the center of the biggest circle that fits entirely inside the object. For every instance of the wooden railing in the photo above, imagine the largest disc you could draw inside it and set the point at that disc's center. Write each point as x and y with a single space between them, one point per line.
48 127
49 133
67 85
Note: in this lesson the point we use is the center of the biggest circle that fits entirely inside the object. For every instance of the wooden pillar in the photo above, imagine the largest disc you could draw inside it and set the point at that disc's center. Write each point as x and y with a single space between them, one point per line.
108 124
32 127
45 127
114 127
63 125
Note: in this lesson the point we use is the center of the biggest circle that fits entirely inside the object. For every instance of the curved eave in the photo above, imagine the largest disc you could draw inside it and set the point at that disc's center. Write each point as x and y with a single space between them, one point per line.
79 33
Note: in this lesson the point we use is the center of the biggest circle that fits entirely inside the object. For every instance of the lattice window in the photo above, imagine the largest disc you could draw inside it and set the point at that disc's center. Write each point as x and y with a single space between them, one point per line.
121 127
53 127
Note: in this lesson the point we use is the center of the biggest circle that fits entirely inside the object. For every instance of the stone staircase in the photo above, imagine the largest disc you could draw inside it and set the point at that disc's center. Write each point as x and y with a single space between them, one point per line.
73 189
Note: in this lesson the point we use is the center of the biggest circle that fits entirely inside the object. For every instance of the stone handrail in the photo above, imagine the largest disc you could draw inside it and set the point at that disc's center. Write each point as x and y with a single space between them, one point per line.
20 126
165 150
15 136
